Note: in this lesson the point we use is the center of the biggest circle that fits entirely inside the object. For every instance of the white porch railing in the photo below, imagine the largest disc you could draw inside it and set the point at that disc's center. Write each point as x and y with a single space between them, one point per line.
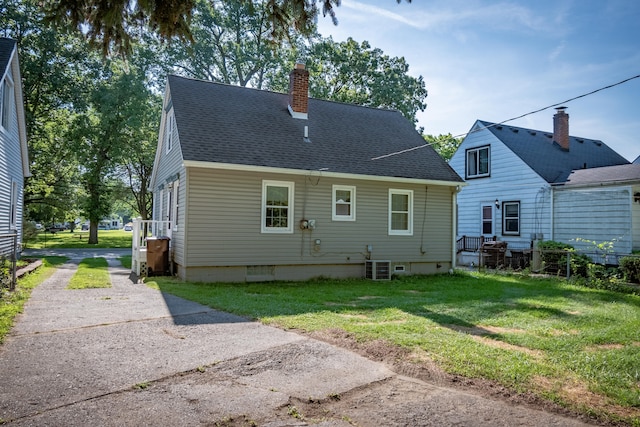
142 229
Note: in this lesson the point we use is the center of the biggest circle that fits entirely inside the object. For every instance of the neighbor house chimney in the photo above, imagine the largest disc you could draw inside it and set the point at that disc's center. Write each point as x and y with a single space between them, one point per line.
561 128
299 92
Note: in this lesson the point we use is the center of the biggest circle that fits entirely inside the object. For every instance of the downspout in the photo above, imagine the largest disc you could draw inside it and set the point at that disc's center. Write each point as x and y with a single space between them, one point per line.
551 213
454 209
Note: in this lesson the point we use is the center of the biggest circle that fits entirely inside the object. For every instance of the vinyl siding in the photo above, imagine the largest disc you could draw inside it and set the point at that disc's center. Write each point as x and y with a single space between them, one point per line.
10 171
595 215
224 222
168 168
510 180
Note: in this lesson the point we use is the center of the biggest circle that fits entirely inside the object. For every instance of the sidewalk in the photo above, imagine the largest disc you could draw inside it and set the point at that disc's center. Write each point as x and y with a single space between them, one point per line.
131 355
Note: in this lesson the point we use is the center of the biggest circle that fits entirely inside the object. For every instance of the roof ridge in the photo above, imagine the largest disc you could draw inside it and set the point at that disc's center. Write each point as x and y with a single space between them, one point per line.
283 93
492 124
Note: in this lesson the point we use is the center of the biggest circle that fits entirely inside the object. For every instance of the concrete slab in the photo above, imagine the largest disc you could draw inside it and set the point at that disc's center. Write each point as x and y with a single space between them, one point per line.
130 355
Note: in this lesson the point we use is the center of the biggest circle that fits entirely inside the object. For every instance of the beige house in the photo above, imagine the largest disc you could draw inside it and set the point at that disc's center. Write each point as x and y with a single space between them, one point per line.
252 185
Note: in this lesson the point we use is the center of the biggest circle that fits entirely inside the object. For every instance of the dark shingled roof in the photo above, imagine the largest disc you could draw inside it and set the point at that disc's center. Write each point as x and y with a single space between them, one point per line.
606 175
237 125
6 48
538 150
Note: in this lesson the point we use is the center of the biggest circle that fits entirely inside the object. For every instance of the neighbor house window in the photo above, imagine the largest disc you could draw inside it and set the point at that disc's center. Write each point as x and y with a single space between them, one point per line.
511 218
169 131
344 203
277 207
487 220
401 212
478 162
6 94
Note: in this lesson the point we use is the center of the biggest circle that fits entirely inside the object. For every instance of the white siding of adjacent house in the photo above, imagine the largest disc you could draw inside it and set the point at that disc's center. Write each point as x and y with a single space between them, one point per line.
11 173
510 180
587 217
223 215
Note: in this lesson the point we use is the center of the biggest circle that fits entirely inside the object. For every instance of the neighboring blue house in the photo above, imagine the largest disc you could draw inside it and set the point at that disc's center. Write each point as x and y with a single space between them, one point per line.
525 185
14 159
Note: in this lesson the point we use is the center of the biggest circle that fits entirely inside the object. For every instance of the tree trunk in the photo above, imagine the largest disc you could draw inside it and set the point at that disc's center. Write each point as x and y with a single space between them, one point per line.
93 232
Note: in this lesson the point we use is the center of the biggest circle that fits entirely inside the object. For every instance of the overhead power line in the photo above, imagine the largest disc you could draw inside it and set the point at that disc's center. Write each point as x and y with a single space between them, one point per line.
513 118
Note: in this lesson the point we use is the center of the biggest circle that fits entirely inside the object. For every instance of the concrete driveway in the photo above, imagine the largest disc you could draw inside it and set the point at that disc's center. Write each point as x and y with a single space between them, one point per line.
130 355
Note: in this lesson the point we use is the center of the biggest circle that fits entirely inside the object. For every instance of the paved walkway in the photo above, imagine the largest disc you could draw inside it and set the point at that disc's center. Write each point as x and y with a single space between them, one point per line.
130 355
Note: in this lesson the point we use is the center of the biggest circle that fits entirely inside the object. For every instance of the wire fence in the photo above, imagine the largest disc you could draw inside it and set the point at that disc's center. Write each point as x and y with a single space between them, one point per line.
8 260
565 263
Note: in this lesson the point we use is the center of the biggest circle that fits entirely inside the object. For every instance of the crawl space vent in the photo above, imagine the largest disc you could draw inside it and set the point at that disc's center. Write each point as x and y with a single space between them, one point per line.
377 270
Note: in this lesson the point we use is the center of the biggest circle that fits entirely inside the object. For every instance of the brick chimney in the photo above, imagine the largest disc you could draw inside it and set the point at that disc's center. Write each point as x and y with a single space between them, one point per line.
561 128
299 92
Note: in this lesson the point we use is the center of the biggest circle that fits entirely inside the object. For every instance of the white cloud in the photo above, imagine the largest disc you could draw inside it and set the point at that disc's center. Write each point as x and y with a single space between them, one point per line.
445 16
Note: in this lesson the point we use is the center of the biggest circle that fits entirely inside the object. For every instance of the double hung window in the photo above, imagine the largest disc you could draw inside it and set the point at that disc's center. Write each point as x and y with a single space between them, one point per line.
277 207
344 203
511 218
400 212
478 162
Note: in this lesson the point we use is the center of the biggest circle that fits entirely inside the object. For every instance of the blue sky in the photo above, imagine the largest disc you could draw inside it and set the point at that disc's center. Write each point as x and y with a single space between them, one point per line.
495 60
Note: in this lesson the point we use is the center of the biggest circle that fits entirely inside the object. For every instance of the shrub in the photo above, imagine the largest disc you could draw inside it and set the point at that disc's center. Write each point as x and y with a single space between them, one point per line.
630 268
29 233
554 257
5 276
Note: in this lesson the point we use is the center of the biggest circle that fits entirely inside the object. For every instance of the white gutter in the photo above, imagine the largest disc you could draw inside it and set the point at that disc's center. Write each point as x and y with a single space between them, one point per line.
320 172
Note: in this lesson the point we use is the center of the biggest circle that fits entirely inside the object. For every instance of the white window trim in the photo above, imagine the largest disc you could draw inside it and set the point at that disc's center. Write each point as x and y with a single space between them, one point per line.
290 192
409 231
334 214
493 219
6 102
176 202
169 131
477 150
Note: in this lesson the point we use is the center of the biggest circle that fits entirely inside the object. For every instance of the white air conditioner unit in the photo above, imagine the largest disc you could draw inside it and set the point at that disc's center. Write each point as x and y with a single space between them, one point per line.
377 270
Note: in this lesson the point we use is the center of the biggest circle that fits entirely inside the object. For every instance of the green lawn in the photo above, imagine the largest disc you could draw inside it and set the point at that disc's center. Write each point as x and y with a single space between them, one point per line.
91 273
68 239
574 345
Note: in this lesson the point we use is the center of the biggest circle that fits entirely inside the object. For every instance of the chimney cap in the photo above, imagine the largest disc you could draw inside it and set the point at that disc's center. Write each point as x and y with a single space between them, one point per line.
299 65
561 109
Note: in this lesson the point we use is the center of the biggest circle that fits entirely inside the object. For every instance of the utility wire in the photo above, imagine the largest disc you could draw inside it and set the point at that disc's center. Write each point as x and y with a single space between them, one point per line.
511 119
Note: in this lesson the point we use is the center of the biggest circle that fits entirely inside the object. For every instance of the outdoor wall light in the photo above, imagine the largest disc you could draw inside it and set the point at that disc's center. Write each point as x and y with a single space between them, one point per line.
497 204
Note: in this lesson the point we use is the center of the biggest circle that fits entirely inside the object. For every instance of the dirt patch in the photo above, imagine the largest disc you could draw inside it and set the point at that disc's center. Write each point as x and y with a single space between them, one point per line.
483 330
418 364
506 346
610 346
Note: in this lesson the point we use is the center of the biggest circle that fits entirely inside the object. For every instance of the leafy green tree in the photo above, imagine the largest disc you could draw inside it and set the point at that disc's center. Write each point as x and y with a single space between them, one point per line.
356 73
139 141
445 145
101 137
232 44
117 23
54 75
